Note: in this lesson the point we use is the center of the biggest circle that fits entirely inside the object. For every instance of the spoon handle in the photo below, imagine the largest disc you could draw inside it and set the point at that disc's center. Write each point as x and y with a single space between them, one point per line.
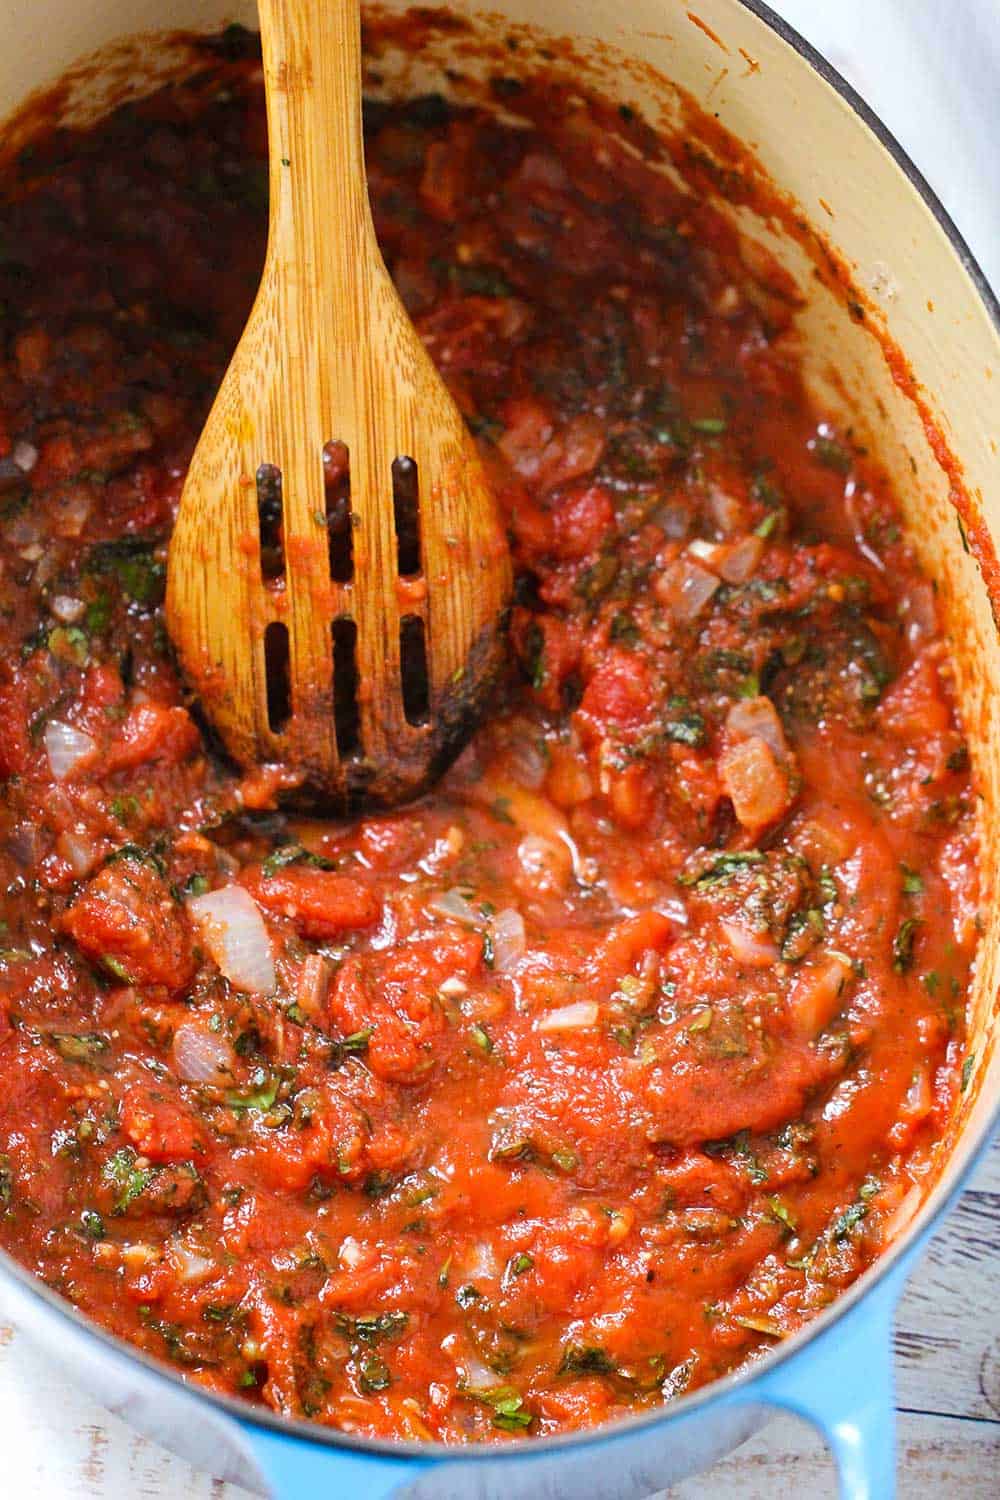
319 207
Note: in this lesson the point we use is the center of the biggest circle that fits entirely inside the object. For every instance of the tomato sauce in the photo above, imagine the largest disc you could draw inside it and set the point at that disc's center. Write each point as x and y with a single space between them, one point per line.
606 1066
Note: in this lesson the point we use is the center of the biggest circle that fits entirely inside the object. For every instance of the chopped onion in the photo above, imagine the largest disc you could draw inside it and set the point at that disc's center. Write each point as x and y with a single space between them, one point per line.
757 949
25 455
819 991
726 511
509 943
233 931
709 553
741 559
202 1056
25 844
672 518
755 781
473 1374
353 1254
453 905
67 609
74 508
24 530
575 1017
919 1100
921 610
78 852
480 1262
544 860
685 588
188 1264
526 761
757 717
66 747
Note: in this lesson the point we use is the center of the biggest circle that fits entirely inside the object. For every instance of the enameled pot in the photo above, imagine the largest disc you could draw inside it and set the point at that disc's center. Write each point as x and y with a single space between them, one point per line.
891 300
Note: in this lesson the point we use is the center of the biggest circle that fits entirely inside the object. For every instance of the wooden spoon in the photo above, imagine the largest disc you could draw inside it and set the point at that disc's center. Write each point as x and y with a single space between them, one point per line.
352 649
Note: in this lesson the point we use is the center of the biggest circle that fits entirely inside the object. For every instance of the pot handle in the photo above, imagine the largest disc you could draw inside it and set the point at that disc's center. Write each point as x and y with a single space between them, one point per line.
294 1469
844 1385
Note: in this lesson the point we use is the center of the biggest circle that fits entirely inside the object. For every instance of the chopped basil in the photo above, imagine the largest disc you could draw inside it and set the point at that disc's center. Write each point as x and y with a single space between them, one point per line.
354 1045
783 1214
482 1038
98 614
689 729
293 854
769 524
967 1067
805 928
121 1171
902 945
86 1047
261 1097
374 1327
479 281
68 643
831 455
509 1411
586 1359
92 1224
138 855
373 1373
116 967
851 1216
722 867
132 561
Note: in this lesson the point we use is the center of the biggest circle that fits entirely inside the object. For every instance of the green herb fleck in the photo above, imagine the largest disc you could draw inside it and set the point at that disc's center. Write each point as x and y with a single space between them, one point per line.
482 1038
585 1359
293 854
373 1373
92 1224
967 1067
86 1047
902 945
121 1171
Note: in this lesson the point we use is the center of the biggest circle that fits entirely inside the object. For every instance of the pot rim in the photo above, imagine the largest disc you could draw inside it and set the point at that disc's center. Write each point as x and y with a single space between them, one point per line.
741 1380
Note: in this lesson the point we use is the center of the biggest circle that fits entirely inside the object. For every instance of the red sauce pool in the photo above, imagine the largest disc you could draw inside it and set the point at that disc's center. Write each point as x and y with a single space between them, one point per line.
606 1066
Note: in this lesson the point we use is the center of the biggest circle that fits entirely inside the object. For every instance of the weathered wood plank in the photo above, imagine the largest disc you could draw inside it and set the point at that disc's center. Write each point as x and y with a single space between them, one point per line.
937 1455
61 1446
948 1329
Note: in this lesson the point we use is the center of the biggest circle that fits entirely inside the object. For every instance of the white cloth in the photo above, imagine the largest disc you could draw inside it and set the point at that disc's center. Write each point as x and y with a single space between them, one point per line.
930 69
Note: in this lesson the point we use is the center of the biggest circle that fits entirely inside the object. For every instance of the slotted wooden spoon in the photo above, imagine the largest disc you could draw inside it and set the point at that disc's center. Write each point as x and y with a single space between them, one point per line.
363 658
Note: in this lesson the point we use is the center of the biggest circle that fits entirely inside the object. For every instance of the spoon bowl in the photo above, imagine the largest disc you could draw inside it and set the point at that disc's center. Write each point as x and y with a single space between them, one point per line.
338 574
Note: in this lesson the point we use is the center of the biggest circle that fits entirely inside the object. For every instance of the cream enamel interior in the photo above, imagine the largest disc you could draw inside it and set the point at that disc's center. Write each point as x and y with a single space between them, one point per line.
814 146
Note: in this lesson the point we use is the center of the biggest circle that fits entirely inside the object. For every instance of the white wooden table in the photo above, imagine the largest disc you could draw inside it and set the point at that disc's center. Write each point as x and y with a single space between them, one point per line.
58 1445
